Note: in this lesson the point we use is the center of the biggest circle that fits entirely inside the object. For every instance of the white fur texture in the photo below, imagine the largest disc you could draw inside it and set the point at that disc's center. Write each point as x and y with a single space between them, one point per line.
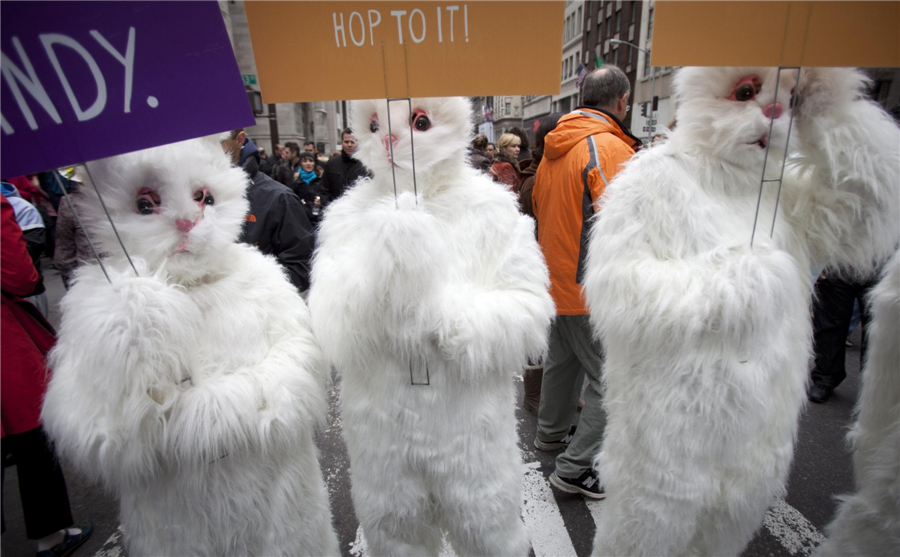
707 339
868 522
192 391
456 281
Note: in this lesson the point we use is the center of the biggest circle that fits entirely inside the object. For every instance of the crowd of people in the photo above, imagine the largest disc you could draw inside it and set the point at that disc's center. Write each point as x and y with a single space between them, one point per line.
558 179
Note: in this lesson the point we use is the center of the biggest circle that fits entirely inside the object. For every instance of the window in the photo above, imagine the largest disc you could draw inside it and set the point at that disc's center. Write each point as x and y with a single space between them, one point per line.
600 31
647 64
634 6
630 55
650 25
578 19
618 21
615 57
508 107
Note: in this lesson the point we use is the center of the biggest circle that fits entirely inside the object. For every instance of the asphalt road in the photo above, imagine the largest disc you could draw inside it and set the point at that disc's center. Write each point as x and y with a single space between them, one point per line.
560 524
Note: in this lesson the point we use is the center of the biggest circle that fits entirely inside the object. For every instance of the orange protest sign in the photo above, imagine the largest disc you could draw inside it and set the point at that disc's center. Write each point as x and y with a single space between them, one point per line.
791 33
313 51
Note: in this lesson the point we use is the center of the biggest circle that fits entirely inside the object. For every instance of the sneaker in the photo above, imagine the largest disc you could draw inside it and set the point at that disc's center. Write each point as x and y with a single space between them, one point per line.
819 394
554 445
587 484
69 543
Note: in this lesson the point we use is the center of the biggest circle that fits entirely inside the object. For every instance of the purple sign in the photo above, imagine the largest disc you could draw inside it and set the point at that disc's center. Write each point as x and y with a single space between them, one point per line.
87 80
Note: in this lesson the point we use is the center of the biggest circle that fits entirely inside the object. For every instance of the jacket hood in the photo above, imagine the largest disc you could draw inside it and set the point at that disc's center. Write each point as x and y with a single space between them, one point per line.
529 166
250 158
573 128
9 190
249 149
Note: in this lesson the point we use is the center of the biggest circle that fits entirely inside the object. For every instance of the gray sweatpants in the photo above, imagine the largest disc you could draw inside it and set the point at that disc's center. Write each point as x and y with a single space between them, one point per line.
573 353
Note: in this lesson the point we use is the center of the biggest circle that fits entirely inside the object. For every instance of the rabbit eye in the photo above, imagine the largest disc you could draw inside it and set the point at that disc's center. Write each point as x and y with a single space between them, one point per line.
420 120
147 201
746 89
744 93
144 206
204 197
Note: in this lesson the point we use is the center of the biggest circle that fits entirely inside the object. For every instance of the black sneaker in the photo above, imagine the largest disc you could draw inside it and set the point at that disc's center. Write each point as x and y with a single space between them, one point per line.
554 445
587 484
819 394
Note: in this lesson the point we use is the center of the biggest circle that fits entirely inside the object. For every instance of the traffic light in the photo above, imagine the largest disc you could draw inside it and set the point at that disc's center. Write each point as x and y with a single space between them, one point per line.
644 110
655 103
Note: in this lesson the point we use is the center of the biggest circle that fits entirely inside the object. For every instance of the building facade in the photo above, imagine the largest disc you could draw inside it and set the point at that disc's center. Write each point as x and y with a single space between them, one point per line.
573 46
619 20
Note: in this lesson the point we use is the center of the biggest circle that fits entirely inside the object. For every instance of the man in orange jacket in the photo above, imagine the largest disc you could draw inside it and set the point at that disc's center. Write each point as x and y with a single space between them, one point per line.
581 156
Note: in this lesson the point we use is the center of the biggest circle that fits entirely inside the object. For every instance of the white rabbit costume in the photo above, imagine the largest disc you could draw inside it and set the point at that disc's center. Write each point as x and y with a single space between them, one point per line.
868 522
707 339
191 391
456 281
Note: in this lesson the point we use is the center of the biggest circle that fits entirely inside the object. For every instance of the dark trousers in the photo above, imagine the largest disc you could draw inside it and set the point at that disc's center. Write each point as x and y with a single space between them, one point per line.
45 500
832 311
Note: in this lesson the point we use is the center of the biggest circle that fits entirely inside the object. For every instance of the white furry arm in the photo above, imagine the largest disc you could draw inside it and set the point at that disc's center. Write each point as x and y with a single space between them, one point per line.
846 192
497 325
236 405
649 283
116 370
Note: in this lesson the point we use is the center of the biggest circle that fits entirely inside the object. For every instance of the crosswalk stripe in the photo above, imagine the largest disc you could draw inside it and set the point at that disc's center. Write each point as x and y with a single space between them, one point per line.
792 529
595 506
542 517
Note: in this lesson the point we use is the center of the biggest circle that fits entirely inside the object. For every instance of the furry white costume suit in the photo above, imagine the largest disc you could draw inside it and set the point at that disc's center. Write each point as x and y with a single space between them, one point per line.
868 522
454 283
191 391
707 339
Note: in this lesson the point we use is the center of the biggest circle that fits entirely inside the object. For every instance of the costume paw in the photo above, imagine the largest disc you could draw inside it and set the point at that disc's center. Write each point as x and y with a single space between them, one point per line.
455 332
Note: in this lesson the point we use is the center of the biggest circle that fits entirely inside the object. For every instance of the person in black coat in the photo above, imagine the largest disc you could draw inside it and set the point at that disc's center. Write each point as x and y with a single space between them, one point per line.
310 188
341 171
276 223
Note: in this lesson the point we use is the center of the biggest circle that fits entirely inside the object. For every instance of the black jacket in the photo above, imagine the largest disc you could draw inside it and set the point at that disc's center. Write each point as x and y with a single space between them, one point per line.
276 223
341 171
308 193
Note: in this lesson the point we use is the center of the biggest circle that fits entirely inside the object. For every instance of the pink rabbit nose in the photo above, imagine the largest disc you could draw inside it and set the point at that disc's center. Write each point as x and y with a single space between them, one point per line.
184 225
776 108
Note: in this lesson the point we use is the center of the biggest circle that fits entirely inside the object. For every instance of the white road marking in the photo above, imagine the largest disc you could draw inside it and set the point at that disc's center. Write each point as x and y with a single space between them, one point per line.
595 507
542 517
792 529
113 546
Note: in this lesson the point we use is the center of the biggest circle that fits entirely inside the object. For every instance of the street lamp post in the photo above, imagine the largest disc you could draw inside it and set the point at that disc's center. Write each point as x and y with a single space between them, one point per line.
646 52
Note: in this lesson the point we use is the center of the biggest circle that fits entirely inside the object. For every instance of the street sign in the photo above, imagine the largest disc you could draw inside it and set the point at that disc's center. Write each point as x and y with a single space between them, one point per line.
249 78
652 121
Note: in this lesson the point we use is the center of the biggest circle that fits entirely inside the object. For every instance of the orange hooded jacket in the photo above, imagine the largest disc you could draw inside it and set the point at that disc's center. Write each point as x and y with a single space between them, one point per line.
581 156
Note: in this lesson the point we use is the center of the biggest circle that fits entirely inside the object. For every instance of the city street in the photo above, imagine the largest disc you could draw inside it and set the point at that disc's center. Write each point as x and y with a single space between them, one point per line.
559 524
